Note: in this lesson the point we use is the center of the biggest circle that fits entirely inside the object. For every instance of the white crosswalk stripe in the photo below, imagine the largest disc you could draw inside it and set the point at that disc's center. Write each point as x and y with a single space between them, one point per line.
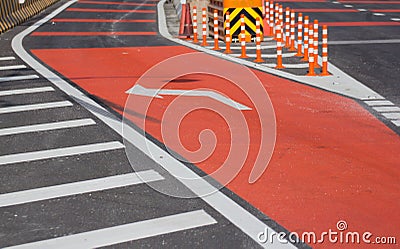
3 68
22 108
26 90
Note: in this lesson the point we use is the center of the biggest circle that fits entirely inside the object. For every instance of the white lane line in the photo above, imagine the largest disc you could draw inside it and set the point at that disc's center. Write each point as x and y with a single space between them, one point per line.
363 42
47 126
128 232
395 19
348 6
386 109
396 122
3 68
378 102
392 115
335 2
59 152
156 93
22 108
232 211
302 65
7 58
15 78
266 55
26 90
362 10
378 14
81 187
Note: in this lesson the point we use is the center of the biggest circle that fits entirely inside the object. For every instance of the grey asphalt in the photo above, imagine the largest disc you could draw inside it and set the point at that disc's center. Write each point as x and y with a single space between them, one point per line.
74 214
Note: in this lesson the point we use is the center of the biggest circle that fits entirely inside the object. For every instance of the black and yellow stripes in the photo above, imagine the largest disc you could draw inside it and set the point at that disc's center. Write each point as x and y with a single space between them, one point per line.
250 15
13 13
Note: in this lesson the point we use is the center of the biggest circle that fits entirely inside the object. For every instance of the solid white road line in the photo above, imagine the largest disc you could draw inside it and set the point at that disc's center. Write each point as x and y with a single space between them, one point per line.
3 68
22 108
46 126
232 211
93 185
26 90
396 122
386 109
59 152
266 55
128 232
7 58
378 102
392 115
302 65
15 78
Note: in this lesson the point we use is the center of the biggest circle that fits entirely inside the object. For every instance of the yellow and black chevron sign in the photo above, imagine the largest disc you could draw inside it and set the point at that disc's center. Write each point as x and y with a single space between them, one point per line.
250 15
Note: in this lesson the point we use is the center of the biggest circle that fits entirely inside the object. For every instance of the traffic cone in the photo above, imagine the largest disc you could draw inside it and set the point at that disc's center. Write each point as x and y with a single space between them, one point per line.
186 26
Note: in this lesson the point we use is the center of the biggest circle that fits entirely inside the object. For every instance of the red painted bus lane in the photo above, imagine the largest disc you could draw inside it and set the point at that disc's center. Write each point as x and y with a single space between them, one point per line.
332 161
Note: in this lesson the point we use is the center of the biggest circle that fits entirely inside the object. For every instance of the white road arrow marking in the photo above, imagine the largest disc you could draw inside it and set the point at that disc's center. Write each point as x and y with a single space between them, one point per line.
156 93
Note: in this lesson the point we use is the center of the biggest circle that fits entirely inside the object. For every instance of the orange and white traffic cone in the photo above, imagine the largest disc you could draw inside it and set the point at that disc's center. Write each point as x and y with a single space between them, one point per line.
228 37
299 35
258 41
324 51
243 36
316 44
204 28
292 29
186 28
311 51
306 38
271 18
216 46
287 27
195 38
279 45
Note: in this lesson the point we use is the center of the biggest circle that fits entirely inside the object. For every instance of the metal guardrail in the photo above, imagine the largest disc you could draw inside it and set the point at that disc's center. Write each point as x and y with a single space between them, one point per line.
14 12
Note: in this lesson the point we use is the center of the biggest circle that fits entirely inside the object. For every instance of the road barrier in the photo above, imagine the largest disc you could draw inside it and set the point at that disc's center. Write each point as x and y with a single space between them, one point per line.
204 24
228 39
195 38
13 13
282 30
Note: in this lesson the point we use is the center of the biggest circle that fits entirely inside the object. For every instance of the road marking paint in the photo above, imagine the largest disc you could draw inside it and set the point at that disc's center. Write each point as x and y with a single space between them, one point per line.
395 19
267 55
26 90
111 10
232 211
392 115
387 10
396 122
112 33
378 102
359 24
156 93
15 78
117 3
378 14
81 187
335 2
22 108
362 10
386 109
301 65
103 20
3 68
363 42
59 152
128 232
7 58
325 10
348 6
47 126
